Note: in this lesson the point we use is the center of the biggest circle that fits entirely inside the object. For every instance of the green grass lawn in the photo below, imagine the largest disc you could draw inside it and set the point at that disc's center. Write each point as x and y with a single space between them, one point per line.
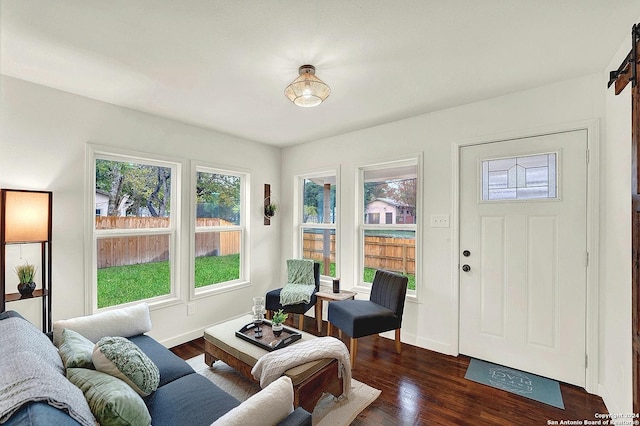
369 273
124 284
217 269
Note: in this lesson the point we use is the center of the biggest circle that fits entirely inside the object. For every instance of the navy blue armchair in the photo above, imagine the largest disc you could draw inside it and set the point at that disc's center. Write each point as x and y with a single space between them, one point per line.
382 312
272 300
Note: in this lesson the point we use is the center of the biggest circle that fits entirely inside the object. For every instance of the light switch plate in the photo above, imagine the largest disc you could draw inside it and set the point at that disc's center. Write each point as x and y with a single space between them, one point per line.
439 220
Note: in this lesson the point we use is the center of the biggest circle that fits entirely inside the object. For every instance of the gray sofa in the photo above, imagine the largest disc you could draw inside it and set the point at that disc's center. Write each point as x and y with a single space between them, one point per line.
183 396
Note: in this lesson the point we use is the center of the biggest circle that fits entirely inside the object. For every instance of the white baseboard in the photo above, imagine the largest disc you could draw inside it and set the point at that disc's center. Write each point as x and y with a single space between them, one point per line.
412 339
183 338
436 346
192 335
609 402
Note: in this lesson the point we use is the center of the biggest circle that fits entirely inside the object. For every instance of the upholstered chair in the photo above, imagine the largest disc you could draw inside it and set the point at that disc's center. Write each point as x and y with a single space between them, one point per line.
382 312
272 300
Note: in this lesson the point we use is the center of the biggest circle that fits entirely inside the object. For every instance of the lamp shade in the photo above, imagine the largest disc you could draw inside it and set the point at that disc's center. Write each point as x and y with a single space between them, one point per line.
307 90
26 216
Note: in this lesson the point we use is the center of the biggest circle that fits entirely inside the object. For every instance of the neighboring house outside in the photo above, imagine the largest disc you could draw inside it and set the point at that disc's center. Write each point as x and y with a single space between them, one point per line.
388 211
102 204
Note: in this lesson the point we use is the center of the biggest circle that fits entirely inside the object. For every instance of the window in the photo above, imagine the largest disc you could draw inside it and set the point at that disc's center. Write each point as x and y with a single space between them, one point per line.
520 178
134 232
318 221
388 230
219 229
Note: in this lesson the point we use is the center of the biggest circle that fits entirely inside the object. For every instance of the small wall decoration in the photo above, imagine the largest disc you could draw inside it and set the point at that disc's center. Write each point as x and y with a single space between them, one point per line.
270 206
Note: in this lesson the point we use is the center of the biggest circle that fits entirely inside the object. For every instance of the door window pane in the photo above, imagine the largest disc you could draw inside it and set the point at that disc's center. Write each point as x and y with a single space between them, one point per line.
520 178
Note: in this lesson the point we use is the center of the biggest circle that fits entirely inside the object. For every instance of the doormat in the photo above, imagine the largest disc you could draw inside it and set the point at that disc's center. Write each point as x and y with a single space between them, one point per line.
518 382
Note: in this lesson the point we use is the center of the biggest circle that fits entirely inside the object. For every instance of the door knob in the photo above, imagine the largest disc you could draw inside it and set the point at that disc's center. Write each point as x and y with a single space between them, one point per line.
466 268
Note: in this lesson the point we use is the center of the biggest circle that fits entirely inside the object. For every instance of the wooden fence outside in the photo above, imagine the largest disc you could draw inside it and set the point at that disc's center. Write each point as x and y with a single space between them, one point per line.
130 250
390 253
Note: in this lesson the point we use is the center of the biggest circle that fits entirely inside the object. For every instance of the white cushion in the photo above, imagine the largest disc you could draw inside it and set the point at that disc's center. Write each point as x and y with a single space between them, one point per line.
278 397
123 322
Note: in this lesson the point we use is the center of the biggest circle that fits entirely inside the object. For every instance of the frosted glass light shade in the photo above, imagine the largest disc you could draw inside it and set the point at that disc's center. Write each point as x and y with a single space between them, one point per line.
26 216
307 90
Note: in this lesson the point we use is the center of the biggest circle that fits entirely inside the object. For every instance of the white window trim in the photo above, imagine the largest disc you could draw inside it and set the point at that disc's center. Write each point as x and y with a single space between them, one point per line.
95 152
299 215
245 185
415 159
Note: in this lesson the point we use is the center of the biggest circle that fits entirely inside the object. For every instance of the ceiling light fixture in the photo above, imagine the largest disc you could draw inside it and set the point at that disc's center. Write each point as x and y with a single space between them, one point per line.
307 90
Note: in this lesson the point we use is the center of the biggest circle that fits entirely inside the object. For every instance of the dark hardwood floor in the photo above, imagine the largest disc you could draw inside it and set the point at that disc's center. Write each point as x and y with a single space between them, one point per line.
420 387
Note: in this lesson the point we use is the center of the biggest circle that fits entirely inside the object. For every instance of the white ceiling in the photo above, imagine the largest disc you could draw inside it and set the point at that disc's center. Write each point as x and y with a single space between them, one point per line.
224 64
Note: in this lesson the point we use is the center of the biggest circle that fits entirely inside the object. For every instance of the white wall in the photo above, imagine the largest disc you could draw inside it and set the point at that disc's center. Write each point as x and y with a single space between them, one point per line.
431 322
51 128
43 136
615 283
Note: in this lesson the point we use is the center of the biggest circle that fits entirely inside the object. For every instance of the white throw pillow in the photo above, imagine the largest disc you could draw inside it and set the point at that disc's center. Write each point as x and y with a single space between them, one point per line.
278 396
123 322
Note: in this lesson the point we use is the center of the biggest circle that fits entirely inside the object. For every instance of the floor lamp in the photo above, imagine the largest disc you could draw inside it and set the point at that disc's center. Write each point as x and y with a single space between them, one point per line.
25 218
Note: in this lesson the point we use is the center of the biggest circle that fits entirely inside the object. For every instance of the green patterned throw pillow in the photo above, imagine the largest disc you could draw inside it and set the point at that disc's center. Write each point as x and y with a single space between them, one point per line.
123 359
112 401
75 350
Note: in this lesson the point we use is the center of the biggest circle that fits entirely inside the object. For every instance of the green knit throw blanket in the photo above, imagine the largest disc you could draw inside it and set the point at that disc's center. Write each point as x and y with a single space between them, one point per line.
300 282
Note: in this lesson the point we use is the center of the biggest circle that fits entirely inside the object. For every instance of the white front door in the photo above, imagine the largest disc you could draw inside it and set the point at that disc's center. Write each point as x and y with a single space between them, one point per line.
523 257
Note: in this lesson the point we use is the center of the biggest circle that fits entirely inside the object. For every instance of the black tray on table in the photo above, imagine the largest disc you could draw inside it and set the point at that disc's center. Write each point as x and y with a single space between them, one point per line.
269 341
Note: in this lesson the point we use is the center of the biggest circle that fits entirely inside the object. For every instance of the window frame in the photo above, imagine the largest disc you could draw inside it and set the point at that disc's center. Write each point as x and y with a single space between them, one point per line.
361 227
95 153
301 226
245 184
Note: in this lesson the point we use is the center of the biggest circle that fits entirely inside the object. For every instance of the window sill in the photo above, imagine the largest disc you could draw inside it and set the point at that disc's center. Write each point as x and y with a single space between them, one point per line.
218 289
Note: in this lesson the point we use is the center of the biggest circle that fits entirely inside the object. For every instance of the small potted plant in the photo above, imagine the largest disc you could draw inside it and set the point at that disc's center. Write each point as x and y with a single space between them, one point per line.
25 275
276 322
270 210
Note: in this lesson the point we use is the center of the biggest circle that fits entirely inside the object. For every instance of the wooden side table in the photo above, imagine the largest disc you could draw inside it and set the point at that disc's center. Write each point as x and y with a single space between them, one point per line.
330 297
